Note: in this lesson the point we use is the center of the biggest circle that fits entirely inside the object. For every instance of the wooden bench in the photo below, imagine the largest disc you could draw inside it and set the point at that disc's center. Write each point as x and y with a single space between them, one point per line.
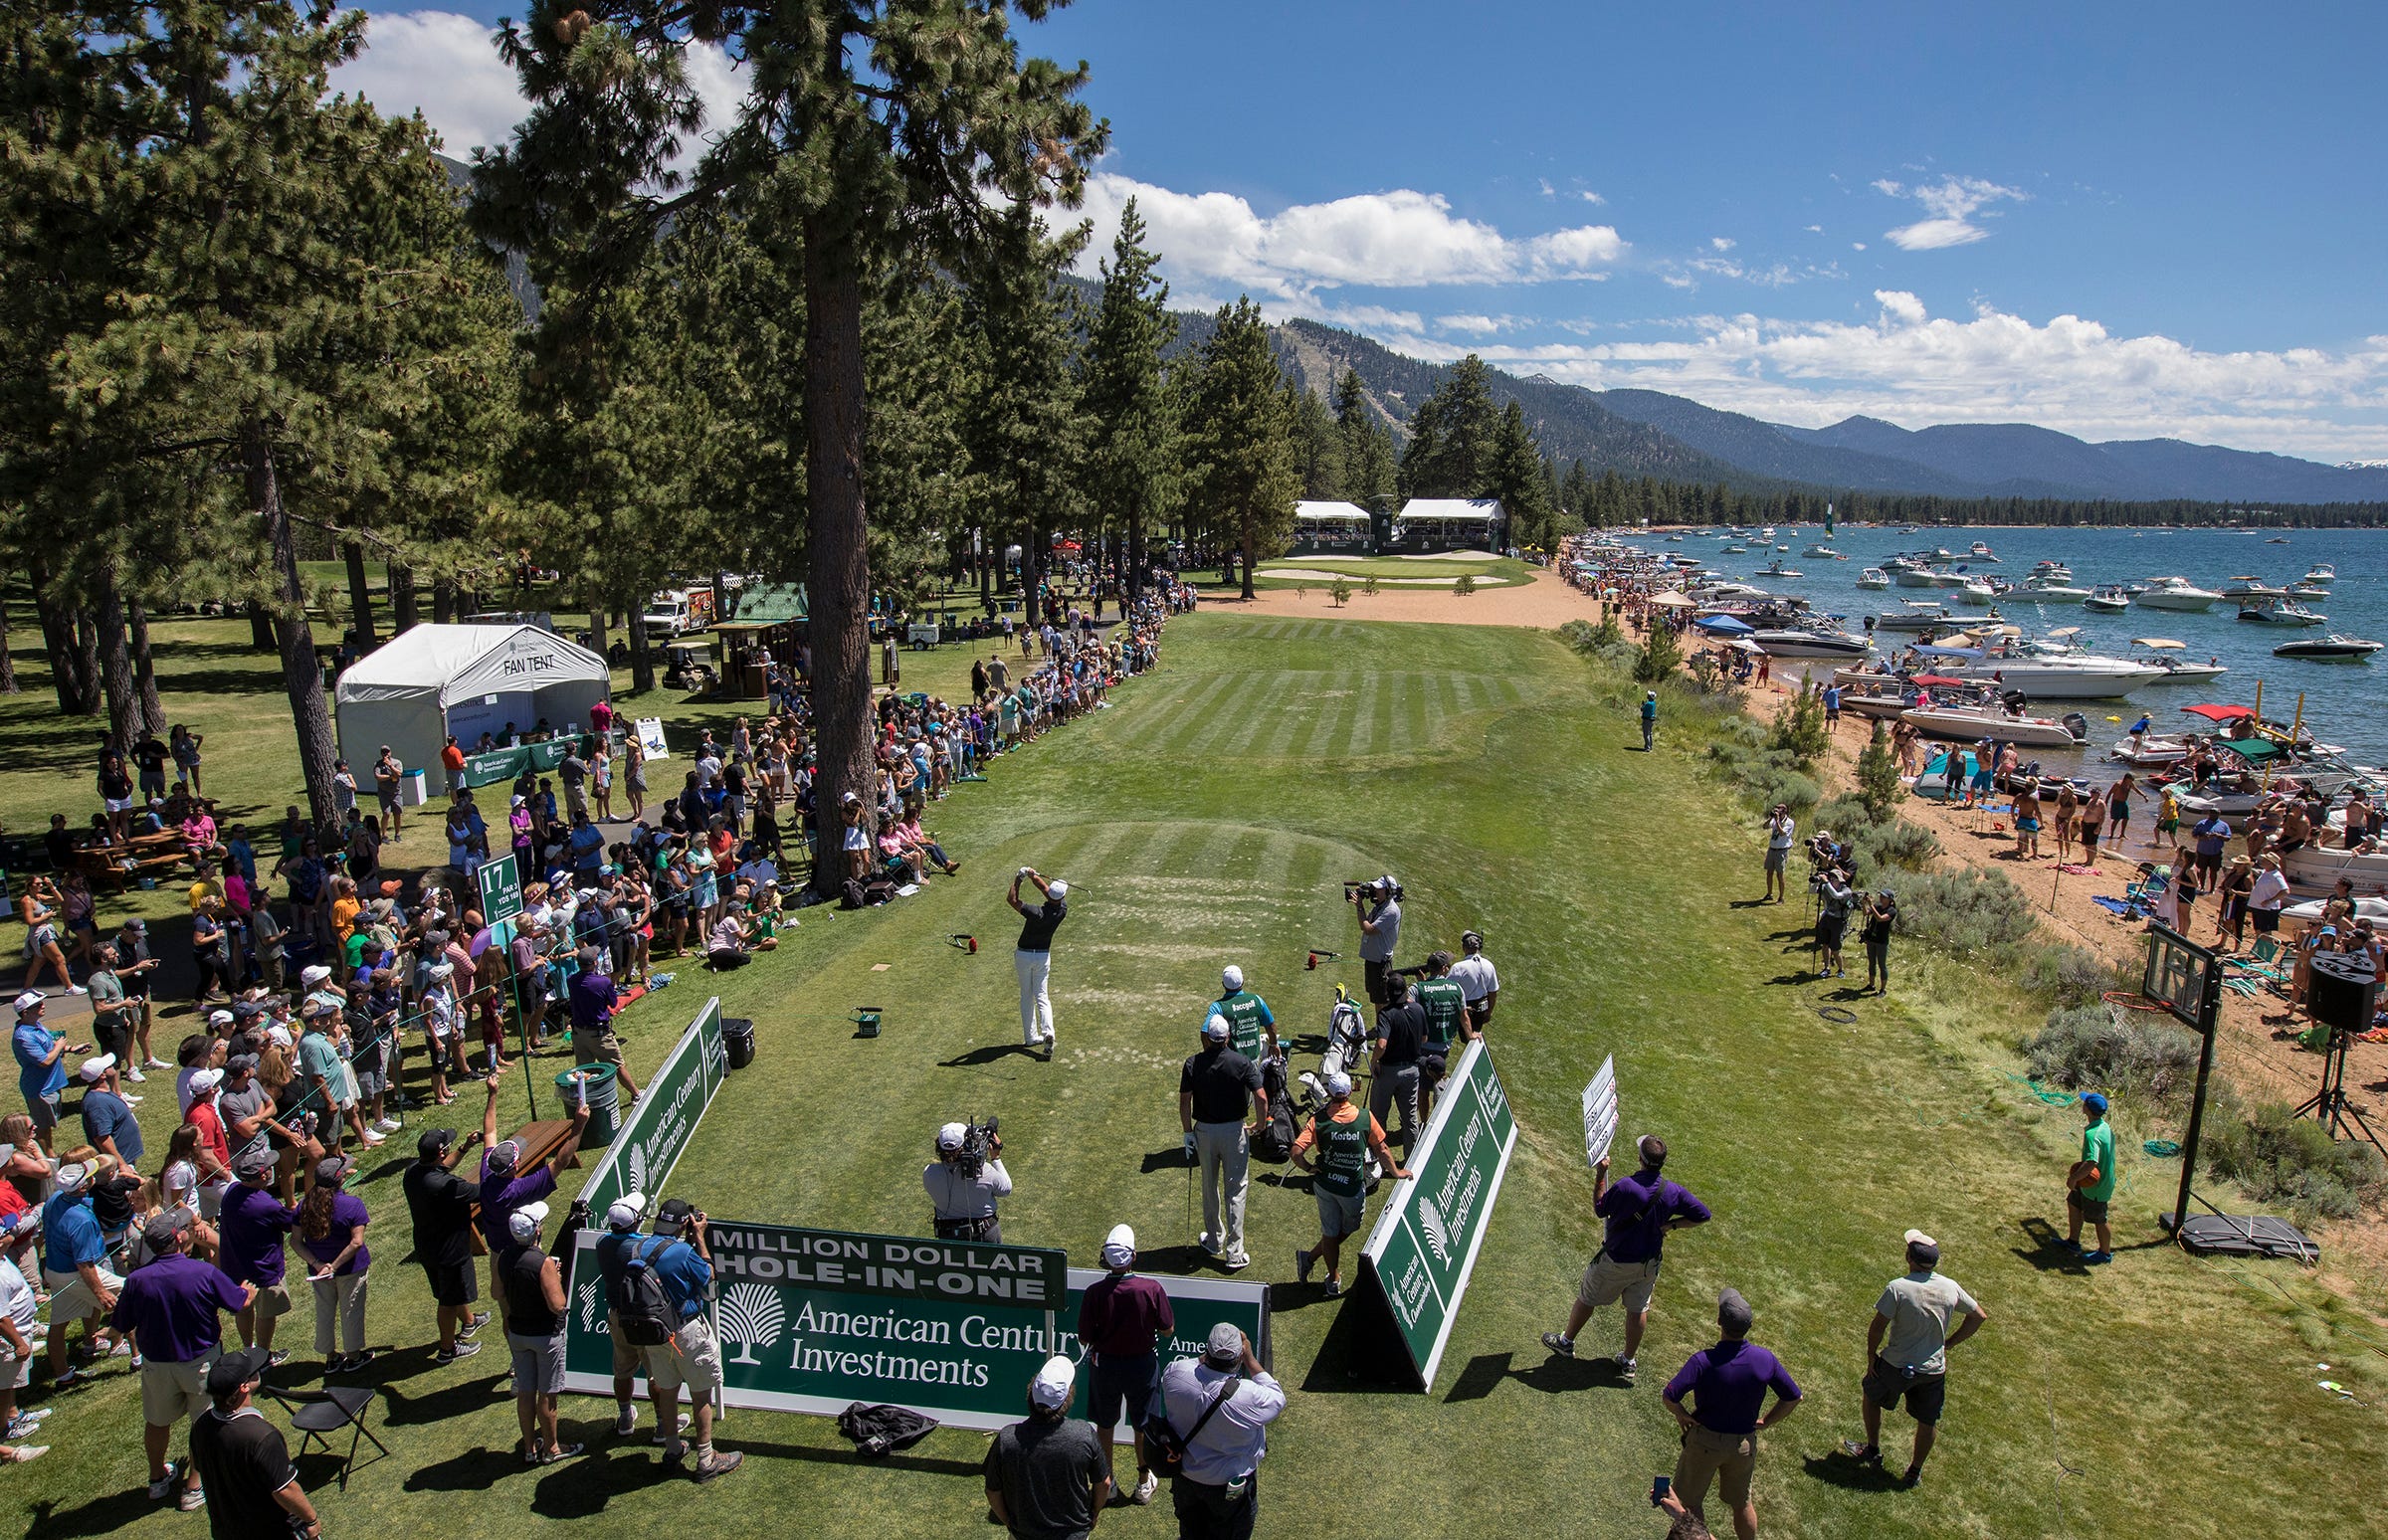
152 855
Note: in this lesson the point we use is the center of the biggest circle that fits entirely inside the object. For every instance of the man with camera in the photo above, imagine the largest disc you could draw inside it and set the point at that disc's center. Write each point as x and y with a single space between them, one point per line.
1219 1408
1378 907
965 1180
1882 915
1032 958
1216 1089
1780 830
1834 898
657 1285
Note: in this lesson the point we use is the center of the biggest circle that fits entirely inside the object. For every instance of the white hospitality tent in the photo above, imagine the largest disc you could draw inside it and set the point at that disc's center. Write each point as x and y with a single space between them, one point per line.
1432 523
430 682
1331 523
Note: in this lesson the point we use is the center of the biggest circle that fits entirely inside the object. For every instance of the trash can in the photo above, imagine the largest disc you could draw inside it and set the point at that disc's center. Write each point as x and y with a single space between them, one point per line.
738 1037
414 788
604 1098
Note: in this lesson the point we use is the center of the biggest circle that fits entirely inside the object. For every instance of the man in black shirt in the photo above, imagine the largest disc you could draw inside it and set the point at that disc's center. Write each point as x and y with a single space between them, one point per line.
1214 1090
1049 1478
243 1463
1032 959
1395 1049
150 756
441 1203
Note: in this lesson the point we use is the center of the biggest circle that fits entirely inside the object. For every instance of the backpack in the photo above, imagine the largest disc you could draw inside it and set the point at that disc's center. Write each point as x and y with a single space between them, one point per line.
1162 1444
644 1309
850 895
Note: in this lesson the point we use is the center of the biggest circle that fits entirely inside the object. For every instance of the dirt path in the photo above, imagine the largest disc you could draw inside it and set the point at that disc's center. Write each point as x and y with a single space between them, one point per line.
1544 603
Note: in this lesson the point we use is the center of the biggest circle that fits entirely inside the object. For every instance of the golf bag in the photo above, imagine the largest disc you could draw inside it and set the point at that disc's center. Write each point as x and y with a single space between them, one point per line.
1347 1045
1275 1141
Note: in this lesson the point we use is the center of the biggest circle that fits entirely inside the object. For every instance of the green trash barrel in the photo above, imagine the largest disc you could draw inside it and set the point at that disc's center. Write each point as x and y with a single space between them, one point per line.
604 1098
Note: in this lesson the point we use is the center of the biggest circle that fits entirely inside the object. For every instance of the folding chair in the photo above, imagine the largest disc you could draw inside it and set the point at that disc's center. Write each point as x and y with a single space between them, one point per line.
318 1414
2266 948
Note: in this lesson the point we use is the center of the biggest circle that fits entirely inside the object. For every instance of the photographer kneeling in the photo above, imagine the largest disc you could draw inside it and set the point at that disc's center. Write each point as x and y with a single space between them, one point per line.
965 1180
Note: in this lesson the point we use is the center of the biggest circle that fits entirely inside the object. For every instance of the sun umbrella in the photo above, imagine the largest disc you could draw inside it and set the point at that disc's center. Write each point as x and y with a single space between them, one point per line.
2219 714
1724 626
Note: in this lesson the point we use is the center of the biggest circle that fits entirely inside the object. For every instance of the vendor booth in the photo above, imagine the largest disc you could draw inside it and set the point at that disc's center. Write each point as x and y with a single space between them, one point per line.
430 681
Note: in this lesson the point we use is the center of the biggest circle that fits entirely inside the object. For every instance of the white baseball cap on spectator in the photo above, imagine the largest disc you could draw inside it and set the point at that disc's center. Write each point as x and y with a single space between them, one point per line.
31 999
626 1211
95 1067
523 1223
1054 1383
1120 1247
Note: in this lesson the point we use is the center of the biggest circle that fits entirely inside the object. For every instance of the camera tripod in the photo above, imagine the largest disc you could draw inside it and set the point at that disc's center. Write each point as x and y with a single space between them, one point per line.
2329 1105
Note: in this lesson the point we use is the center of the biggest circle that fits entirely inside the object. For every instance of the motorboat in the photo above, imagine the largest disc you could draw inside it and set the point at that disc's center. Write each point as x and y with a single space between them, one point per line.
1941 577
2321 572
2049 570
1977 591
2247 586
2048 678
1967 723
2108 600
1873 577
2176 593
1674 539
2330 649
2165 654
2278 612
1982 552
2307 590
1809 641
2053 588
1820 551
1736 550
1775 568
1918 615
1708 591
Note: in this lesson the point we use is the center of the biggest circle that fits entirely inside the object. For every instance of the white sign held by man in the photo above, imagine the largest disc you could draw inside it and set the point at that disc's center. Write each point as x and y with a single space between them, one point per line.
1600 1112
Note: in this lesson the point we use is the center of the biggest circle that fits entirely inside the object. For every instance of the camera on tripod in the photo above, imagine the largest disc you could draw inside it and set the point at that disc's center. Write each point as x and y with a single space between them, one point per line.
1379 888
981 1142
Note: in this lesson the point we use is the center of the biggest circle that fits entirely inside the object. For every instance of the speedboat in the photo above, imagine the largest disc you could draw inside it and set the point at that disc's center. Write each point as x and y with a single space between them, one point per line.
1809 641
2048 587
2318 869
1982 552
1976 591
1920 615
1992 719
2307 590
1736 550
2277 612
1873 577
2177 592
2330 649
2164 653
2049 570
1674 539
2247 586
2108 600
1940 577
2058 679
2321 572
1775 568
1823 552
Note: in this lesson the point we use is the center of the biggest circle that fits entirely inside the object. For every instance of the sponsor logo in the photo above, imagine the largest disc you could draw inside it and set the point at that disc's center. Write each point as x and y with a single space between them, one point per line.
1438 1235
752 1317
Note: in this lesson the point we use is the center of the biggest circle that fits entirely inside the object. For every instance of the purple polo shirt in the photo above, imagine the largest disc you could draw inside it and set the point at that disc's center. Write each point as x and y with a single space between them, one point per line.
170 1307
592 1000
251 1226
347 1211
1638 1208
1118 1316
1728 1385
502 1196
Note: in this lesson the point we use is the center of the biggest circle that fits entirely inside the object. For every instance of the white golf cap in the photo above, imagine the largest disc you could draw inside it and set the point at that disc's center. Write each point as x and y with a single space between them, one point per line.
1120 1247
1918 1238
1054 1383
71 1176
93 1069
314 973
523 1223
29 1000
1216 1027
1057 889
205 1080
625 1212
1232 978
951 1135
1338 1085
220 1017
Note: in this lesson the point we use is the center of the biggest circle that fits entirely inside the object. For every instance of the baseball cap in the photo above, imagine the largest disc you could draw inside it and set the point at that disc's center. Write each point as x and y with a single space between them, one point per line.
1215 1028
434 1142
93 1069
233 1370
523 1223
1733 1311
1923 1247
1338 1085
252 1162
73 1175
136 925
204 1081
1057 889
162 1228
29 1000
1224 1347
334 1168
1232 977
951 1135
220 1017
675 1213
279 1035
504 1154
238 1063
1052 1387
1120 1247
624 1211
314 973
2096 1101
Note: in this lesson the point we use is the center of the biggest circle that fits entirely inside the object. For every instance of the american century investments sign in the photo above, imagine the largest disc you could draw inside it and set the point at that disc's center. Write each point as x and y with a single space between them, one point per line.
649 1141
890 1265
1419 1255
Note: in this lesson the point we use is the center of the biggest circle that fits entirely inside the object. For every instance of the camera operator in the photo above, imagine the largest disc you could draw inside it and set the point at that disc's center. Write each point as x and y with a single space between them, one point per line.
1780 830
1835 897
965 1180
1882 914
1378 905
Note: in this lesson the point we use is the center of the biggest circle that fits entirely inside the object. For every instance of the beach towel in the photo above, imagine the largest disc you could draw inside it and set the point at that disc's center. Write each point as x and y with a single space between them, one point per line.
2129 911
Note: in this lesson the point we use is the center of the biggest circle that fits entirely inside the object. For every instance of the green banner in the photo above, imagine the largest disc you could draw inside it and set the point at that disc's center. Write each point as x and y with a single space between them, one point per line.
506 763
813 1320
500 888
1424 1246
649 1141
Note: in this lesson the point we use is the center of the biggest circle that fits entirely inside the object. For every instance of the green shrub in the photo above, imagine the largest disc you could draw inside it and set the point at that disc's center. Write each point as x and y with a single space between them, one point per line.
1703 668
1772 784
2093 1047
1971 913
1368 586
1340 592
1846 815
1661 656
1465 586
1877 776
2070 975
2280 1157
1608 633
1580 636
1897 844
1799 727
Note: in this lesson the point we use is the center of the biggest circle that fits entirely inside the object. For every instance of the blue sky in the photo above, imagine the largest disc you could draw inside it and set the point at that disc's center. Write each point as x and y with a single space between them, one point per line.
2124 221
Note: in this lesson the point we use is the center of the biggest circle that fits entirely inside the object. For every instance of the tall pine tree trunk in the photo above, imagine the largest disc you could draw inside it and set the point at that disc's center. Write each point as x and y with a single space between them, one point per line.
86 663
77 693
596 622
840 554
403 614
442 601
642 660
261 628
293 637
8 659
115 662
361 596
1134 587
985 561
144 669
1248 545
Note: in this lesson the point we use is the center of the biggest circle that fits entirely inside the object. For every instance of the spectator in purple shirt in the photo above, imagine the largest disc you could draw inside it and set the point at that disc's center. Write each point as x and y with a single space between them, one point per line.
503 1189
1728 1385
171 1305
331 1231
250 1233
1123 1320
591 999
1640 1210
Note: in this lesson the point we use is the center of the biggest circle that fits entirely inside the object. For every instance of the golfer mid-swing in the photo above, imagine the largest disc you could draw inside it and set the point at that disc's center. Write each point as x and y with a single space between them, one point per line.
1032 959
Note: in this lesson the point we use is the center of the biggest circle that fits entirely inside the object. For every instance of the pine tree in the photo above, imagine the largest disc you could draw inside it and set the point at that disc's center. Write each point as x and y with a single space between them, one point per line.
1879 785
1241 456
1024 430
1366 445
1515 475
1457 459
1132 465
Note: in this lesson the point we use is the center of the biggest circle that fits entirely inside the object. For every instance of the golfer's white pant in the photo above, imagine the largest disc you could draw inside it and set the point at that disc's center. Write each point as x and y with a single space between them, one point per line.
1226 1163
1036 1007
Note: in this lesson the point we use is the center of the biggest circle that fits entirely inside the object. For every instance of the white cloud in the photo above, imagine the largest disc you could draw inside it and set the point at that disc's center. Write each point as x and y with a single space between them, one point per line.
1548 191
446 66
1590 196
1481 325
1392 240
1952 202
1815 229
1721 242
1900 309
1857 246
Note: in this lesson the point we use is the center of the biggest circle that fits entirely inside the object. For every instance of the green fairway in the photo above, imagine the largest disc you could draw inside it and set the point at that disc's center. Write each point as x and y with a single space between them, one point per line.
1209 817
1394 571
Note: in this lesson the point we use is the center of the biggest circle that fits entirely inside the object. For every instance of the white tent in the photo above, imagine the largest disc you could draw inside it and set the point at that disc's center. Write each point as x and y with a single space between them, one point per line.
1480 522
434 680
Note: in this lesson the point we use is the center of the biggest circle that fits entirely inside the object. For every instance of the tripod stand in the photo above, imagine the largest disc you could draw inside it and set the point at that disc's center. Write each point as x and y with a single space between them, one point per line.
2329 1105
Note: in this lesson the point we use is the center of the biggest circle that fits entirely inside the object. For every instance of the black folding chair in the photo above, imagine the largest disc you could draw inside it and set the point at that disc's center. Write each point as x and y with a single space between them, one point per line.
319 1415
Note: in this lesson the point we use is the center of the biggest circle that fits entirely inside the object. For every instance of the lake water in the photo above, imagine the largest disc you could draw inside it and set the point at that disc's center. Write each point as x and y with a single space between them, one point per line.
2345 704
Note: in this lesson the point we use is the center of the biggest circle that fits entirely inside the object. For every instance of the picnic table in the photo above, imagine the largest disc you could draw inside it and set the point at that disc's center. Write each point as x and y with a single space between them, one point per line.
120 864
